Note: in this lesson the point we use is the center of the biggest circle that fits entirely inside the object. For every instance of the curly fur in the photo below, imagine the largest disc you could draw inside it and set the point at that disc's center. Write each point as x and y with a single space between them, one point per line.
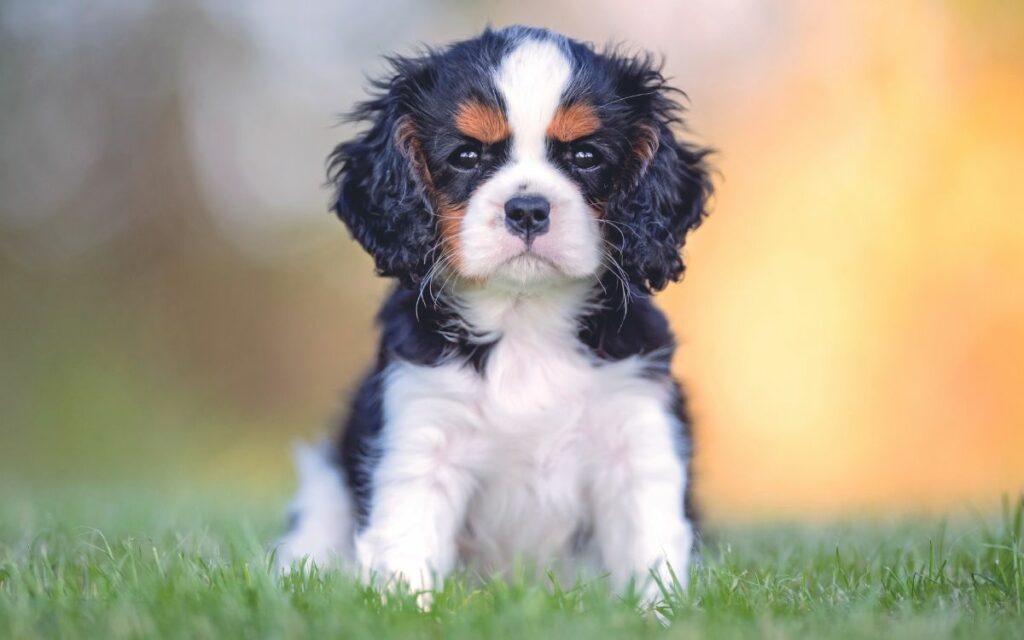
383 186
522 402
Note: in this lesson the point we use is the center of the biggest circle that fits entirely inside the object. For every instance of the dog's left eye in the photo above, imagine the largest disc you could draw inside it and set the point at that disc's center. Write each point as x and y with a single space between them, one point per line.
465 158
585 157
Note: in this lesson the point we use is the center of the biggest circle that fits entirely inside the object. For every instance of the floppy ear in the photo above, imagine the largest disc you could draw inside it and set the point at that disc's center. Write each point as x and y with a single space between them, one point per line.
381 180
665 187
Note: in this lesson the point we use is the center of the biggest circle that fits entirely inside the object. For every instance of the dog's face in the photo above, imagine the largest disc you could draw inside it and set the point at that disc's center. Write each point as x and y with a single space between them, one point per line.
519 158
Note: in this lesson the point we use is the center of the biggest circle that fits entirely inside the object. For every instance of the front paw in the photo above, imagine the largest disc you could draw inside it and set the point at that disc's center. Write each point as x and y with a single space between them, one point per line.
661 582
418 582
392 571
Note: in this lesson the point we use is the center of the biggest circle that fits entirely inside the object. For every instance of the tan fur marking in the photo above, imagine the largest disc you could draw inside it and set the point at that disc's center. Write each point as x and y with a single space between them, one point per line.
449 215
409 144
450 224
646 144
481 122
573 122
645 147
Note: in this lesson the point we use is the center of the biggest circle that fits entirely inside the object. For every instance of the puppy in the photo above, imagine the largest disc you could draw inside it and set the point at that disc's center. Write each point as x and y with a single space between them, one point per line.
527 194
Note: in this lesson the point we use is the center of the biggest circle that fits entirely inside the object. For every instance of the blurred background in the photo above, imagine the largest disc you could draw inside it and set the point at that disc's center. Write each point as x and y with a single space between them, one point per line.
177 306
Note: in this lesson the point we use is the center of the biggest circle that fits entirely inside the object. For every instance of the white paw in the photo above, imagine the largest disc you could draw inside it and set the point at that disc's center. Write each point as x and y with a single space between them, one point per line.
660 581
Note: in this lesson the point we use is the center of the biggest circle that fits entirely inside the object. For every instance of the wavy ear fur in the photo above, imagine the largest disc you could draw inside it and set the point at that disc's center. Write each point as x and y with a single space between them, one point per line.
380 177
666 185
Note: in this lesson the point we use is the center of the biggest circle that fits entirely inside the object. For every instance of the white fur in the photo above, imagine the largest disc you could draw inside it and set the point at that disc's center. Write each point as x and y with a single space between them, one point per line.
322 532
531 80
548 443
483 471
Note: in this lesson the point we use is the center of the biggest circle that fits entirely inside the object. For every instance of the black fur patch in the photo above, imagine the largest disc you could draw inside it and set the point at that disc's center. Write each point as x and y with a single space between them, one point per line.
392 181
432 334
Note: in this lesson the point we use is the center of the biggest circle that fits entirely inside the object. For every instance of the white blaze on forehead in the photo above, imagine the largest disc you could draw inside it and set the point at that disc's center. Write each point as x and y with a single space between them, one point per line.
532 79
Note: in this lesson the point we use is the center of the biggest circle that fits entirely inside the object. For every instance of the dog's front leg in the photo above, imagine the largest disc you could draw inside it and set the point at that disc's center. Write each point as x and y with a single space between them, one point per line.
640 526
418 505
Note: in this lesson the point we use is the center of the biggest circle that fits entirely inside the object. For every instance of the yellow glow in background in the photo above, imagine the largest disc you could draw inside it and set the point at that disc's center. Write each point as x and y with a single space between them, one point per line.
176 306
855 313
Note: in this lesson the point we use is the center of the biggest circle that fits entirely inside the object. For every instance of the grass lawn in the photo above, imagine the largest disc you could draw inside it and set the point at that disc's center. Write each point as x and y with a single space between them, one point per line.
112 564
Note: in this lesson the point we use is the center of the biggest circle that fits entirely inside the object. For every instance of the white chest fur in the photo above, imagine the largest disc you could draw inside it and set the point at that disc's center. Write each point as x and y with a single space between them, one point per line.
516 461
529 438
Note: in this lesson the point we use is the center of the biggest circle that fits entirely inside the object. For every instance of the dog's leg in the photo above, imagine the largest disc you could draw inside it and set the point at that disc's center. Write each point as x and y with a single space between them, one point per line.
639 485
419 504
321 514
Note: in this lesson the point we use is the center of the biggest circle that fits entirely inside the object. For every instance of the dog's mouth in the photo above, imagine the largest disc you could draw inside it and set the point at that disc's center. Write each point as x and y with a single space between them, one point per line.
532 259
529 255
528 266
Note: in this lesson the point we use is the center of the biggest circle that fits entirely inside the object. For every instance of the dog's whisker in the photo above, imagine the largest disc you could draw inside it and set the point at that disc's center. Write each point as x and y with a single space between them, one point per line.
487 370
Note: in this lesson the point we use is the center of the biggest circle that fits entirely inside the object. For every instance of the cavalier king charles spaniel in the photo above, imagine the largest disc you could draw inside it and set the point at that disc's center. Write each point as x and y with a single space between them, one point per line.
527 195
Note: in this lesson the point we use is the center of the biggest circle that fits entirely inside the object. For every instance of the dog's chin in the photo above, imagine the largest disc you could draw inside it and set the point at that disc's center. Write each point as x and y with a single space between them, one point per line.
530 269
527 268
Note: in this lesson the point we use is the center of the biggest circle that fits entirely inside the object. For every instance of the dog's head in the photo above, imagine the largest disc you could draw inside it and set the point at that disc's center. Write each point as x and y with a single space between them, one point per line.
518 158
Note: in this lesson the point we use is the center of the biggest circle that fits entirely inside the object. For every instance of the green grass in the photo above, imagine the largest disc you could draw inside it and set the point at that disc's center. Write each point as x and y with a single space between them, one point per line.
101 564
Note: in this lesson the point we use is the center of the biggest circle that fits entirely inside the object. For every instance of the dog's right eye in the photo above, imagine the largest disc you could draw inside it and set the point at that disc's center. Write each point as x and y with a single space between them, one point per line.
465 158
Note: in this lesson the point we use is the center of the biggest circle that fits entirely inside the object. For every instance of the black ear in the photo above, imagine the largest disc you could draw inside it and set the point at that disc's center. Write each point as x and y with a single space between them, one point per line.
381 179
665 187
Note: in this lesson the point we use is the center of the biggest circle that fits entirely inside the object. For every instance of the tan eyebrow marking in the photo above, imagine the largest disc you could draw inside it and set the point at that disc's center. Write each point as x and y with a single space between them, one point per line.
481 122
573 122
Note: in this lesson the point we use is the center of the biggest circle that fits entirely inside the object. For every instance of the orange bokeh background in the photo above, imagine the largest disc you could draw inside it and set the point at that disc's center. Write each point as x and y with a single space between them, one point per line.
856 306
856 309
176 306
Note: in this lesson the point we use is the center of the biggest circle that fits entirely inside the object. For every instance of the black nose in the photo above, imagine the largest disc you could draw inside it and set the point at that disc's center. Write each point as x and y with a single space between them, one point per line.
527 216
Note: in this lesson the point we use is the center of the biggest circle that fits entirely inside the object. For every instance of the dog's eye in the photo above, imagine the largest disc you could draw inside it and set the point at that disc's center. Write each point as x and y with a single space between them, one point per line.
465 158
585 156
